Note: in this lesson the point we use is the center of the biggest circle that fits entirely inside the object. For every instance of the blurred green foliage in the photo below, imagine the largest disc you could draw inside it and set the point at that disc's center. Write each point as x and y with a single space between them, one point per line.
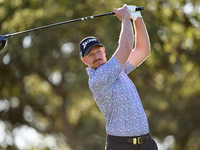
43 83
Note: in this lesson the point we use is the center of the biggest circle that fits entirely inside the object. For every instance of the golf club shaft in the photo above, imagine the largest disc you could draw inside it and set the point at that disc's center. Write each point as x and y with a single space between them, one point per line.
69 21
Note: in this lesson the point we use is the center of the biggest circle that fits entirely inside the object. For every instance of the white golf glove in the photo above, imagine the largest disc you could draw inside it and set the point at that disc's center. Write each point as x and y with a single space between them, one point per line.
134 14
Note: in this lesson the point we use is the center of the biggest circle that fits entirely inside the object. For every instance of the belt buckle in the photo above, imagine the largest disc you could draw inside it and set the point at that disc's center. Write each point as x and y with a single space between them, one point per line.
140 140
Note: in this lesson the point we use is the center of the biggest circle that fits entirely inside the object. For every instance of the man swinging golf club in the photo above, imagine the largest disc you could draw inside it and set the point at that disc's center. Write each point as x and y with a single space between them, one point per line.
115 94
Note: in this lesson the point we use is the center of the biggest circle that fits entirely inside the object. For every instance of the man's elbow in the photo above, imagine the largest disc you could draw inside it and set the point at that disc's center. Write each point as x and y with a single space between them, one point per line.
130 45
144 57
147 52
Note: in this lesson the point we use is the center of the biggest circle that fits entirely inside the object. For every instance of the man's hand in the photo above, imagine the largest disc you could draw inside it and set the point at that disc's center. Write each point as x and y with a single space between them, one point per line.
134 14
122 12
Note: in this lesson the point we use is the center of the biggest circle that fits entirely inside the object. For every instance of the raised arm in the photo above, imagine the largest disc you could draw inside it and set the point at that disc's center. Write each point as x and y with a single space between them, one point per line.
142 43
126 37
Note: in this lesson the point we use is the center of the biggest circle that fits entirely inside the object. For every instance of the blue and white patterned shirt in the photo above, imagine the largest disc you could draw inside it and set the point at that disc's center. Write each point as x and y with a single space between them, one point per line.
118 99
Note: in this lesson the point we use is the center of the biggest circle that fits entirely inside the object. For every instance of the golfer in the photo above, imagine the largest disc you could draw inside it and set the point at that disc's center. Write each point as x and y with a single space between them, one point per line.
115 94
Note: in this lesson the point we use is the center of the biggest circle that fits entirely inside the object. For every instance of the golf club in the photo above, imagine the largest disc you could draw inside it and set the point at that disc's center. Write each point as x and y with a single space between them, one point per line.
3 38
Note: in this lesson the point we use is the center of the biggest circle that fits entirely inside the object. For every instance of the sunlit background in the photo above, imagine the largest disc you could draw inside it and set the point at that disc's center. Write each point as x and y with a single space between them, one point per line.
45 102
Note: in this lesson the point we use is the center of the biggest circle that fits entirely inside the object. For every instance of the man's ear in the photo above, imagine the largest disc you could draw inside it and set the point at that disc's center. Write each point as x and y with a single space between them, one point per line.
83 59
104 50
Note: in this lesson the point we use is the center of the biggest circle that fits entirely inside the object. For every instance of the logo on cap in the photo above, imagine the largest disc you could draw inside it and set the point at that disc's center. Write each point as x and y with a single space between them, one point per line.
87 42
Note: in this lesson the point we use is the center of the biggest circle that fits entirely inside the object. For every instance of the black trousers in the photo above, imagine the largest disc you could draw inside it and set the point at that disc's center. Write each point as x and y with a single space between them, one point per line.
149 145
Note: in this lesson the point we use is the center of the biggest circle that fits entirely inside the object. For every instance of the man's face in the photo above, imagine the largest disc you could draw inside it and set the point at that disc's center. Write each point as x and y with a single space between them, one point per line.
95 58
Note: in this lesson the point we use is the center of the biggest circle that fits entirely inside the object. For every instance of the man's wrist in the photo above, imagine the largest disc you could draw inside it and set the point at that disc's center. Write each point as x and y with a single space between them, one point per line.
126 17
138 18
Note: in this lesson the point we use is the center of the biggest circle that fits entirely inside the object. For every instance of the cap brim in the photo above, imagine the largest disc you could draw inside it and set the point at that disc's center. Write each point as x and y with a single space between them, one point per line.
87 51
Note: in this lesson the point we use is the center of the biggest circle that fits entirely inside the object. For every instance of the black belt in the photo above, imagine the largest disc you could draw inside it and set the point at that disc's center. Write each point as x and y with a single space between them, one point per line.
129 140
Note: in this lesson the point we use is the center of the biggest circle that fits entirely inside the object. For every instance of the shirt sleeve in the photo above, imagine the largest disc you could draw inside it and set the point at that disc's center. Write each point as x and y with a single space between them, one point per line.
128 67
103 77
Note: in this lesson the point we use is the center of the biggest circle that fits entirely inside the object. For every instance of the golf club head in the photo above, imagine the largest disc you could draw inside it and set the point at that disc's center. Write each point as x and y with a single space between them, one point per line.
3 42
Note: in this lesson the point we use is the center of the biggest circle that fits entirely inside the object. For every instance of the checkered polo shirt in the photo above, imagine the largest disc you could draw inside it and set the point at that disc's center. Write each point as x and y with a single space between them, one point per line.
118 99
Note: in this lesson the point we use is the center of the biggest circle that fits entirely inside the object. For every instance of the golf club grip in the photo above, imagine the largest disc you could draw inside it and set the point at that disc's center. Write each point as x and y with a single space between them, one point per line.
111 13
139 8
136 9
